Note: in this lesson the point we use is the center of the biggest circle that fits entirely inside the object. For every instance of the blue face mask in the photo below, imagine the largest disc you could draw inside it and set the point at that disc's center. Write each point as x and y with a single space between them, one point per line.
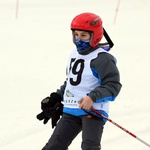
82 45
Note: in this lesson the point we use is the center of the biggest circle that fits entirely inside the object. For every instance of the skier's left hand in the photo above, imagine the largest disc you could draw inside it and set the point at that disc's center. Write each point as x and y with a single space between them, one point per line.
86 103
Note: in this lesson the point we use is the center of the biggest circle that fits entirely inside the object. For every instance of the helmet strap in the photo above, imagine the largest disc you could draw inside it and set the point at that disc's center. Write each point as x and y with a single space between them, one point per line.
111 44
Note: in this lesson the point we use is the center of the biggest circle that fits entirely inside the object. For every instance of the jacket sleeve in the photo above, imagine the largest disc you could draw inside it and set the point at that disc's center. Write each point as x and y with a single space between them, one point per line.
61 90
105 69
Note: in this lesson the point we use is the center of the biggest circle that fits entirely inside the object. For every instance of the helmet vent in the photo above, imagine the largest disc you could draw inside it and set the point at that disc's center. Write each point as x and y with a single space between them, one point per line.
95 22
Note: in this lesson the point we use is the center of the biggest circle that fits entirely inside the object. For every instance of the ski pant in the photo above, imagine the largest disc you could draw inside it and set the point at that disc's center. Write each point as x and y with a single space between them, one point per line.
70 126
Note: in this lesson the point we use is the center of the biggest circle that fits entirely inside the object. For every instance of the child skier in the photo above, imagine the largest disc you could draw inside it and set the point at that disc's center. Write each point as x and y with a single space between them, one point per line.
92 81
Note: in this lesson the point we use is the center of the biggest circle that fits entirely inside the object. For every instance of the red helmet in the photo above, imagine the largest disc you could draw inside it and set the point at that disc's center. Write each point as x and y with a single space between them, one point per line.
89 22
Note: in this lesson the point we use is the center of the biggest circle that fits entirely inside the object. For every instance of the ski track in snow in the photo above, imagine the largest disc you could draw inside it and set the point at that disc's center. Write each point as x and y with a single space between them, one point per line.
36 44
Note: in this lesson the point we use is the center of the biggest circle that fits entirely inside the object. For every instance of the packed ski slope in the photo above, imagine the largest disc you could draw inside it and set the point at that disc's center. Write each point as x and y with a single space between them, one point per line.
34 48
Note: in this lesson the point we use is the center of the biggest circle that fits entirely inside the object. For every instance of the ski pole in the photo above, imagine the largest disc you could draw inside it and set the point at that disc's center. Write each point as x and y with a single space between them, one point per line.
17 8
117 9
133 135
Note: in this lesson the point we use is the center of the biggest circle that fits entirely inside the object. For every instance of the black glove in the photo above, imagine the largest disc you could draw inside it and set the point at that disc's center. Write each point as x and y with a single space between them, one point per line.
50 101
42 116
52 108
57 112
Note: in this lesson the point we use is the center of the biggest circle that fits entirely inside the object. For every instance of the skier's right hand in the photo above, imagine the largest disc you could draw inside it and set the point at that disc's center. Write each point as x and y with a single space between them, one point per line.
42 116
51 108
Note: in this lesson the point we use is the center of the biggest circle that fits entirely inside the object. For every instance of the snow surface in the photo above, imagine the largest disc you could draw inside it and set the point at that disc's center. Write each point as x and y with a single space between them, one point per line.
33 53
